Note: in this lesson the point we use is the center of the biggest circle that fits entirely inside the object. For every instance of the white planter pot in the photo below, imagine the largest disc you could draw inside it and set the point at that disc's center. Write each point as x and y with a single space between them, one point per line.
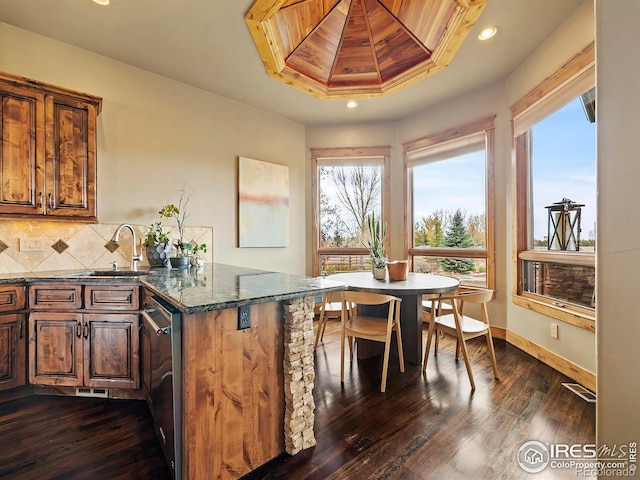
379 273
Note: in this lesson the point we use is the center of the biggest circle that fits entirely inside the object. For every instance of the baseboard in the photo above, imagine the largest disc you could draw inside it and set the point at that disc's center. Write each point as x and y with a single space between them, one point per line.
555 361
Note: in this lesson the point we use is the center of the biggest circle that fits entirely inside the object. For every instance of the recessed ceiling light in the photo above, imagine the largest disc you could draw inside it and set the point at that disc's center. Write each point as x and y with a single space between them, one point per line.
352 104
102 2
485 34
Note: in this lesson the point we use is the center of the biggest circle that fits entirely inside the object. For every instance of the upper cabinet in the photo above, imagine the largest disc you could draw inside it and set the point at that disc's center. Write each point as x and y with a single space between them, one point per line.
47 150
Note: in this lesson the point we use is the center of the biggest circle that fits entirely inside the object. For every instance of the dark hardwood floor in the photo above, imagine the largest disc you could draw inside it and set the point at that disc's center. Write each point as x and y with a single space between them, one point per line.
68 438
429 427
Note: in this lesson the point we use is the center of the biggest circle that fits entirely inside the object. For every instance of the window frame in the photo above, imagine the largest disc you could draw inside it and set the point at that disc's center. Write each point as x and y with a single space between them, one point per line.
337 156
570 80
484 126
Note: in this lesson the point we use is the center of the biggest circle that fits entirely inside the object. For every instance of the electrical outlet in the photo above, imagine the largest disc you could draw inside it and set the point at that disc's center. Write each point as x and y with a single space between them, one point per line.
554 330
244 317
31 244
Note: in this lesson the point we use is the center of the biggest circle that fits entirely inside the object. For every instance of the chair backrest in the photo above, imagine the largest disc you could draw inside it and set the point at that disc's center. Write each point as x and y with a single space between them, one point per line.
351 299
475 296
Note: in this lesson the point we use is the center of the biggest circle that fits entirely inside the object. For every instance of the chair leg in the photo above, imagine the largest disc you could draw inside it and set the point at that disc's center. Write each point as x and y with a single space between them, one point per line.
432 329
385 364
465 355
322 323
350 341
457 349
492 353
342 356
400 351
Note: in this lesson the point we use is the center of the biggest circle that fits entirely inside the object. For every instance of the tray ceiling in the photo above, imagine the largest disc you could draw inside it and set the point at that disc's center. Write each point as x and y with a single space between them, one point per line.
358 48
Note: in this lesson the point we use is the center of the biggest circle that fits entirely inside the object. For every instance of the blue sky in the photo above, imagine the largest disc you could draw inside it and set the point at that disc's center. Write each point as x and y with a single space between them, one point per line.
563 167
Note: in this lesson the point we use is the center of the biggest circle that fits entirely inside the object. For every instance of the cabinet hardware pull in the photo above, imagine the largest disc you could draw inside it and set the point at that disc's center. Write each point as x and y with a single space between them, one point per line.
20 329
51 201
85 330
162 435
78 330
159 330
40 196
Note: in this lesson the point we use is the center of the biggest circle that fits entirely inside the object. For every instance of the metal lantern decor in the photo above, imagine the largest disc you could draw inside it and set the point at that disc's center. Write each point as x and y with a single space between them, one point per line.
564 225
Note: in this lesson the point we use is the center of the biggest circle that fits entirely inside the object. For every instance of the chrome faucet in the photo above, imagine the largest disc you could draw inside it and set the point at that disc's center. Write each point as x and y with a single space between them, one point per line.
135 257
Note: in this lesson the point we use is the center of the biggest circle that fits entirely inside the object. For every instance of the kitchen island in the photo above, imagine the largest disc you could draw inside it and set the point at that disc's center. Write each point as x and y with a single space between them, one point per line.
241 365
246 365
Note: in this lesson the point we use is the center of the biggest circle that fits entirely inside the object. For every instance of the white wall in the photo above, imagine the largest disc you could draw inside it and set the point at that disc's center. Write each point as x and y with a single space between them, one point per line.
618 254
157 136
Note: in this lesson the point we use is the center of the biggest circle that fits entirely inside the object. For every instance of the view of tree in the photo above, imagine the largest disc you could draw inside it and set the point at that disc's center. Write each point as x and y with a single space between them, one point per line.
476 226
430 230
355 193
458 236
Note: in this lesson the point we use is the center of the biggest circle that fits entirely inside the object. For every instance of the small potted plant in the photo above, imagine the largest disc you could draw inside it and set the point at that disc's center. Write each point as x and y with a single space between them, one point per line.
180 215
197 252
375 244
158 246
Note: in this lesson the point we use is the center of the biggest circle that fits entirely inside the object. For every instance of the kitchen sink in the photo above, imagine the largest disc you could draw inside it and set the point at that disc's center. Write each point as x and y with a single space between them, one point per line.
119 273
107 273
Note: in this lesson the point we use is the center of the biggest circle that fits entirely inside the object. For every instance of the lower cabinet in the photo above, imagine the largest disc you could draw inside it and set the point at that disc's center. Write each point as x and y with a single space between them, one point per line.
96 350
12 350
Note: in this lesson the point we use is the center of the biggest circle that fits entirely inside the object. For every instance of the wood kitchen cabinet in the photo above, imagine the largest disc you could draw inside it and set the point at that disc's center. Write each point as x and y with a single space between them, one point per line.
47 150
90 347
84 350
12 337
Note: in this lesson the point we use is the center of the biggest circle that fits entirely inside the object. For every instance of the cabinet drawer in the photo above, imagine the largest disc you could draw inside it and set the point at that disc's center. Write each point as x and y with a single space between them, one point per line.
12 297
55 297
112 297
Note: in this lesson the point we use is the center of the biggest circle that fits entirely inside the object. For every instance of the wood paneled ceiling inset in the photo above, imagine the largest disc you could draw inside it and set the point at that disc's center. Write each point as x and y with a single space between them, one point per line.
358 48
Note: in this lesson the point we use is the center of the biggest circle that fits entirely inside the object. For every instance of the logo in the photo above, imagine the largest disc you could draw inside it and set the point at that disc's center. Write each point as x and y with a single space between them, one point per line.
533 457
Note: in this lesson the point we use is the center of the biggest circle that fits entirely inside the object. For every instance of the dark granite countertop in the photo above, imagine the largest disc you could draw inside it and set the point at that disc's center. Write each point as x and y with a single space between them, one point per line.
211 287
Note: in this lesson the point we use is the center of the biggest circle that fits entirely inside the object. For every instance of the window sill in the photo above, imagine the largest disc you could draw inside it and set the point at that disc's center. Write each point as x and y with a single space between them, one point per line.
568 315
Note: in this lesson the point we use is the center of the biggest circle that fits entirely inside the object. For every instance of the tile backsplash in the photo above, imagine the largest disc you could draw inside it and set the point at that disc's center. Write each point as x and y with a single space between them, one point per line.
41 245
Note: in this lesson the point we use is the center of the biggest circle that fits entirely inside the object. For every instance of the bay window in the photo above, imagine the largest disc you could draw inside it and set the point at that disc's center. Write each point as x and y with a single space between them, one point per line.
554 153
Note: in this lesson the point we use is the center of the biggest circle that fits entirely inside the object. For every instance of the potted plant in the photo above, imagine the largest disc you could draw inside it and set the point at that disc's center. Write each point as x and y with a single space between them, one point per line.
158 246
375 244
180 215
197 252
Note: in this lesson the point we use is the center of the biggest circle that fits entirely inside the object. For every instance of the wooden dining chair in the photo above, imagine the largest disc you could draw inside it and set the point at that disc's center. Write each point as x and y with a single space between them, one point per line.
330 307
379 329
463 327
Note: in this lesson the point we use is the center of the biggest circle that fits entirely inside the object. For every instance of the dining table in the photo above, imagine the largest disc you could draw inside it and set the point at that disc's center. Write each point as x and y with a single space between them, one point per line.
410 291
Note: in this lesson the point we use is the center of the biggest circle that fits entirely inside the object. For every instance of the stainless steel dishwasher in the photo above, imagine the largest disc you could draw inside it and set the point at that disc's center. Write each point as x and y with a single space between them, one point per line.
165 325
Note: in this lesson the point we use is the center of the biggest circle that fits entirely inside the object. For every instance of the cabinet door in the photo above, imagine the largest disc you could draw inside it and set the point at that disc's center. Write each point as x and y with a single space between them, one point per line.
55 348
70 127
21 151
112 351
12 351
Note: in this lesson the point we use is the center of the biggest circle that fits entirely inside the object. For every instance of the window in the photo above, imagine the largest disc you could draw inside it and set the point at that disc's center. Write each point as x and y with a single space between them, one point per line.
349 184
450 203
554 148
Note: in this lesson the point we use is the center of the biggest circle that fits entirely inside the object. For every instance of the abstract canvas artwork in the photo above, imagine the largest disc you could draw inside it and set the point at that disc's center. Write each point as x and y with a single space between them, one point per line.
263 205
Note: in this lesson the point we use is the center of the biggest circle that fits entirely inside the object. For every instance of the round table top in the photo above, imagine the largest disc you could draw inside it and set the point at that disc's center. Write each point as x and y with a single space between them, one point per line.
415 284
